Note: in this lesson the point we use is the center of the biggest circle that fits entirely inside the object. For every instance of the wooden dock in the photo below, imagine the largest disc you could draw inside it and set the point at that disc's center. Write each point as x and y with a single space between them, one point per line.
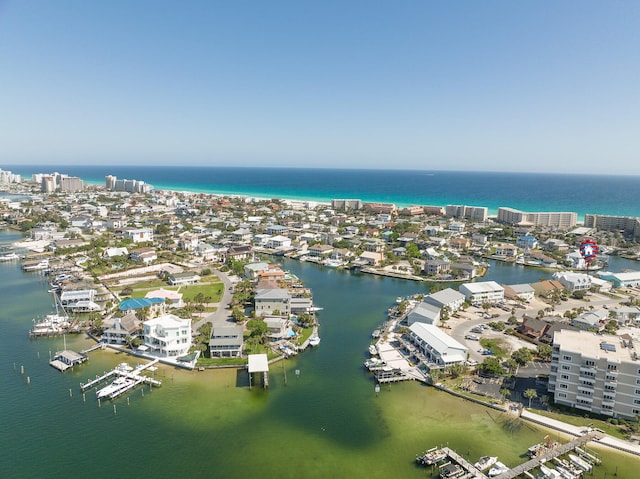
469 468
135 375
471 472
552 454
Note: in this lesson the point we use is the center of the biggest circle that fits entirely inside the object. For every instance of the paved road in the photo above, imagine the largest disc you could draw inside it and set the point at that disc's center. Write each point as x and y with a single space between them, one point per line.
222 316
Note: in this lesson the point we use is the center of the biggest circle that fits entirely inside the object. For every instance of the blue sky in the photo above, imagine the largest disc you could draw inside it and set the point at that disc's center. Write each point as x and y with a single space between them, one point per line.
455 85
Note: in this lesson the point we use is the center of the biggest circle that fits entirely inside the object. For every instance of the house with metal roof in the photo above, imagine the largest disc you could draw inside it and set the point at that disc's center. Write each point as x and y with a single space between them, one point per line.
436 346
269 300
448 297
226 341
424 313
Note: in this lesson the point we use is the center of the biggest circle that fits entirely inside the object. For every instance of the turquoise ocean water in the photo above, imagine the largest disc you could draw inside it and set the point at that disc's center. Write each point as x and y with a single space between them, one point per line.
327 420
612 195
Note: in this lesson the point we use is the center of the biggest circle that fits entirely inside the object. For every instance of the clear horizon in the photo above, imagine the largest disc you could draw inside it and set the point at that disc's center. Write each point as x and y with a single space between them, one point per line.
490 86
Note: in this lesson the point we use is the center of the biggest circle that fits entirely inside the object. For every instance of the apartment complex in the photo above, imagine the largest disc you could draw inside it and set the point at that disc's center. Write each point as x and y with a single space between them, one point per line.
599 374
474 213
561 220
628 225
112 183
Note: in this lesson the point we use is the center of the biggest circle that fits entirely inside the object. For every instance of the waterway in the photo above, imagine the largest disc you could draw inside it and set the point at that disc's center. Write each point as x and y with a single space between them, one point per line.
326 421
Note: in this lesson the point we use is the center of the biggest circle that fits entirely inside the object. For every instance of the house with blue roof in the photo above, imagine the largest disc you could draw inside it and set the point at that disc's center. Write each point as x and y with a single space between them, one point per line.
155 304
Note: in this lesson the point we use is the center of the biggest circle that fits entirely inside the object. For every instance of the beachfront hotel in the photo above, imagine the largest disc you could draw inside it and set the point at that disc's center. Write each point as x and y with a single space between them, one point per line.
599 374
561 220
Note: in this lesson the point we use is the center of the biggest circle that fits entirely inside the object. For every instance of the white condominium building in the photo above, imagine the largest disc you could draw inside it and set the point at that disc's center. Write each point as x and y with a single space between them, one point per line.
559 220
599 374
482 292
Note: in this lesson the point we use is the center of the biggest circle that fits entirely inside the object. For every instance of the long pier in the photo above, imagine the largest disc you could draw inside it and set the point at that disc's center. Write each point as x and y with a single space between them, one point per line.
470 471
552 454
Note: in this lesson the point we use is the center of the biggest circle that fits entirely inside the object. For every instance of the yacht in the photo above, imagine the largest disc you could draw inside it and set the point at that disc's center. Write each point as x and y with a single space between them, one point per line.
314 340
115 387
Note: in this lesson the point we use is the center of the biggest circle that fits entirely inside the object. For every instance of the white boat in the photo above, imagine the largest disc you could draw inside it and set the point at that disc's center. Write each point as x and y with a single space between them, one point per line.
44 264
485 462
565 473
550 473
497 469
115 387
124 367
9 257
51 324
373 350
581 463
314 340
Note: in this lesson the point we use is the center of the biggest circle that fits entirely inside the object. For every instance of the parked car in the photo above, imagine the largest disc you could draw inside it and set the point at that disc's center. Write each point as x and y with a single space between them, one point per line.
472 337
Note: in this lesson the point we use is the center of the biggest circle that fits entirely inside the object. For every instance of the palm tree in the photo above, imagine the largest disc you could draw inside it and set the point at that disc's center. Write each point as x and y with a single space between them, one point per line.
530 394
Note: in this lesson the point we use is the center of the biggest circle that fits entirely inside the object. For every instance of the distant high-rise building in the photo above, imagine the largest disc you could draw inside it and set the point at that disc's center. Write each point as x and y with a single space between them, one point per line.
627 225
561 220
474 213
71 184
112 183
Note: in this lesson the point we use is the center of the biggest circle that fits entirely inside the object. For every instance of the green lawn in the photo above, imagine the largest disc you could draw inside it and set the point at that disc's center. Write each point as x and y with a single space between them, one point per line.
611 429
500 347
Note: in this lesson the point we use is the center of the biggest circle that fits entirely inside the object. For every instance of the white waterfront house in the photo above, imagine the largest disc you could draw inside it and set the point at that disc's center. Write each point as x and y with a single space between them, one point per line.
482 292
436 346
269 301
573 282
166 336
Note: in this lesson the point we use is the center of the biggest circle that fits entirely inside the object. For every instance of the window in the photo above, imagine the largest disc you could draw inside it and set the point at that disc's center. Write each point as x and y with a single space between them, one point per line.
589 363
608 397
607 406
564 376
636 401
609 388
563 386
562 395
566 368
636 411
612 367
566 358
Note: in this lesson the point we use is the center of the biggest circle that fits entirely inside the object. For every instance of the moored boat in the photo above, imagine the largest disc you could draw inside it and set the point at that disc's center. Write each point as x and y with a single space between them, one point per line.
450 471
485 462
497 469
373 350
431 456
115 387
314 340
581 463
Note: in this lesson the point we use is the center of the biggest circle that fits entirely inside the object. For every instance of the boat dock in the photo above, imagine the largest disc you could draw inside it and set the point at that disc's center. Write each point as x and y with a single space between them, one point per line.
470 471
135 375
66 359
551 454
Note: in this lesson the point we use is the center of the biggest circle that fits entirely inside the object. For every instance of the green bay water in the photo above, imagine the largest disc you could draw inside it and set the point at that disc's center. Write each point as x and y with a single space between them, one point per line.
325 422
